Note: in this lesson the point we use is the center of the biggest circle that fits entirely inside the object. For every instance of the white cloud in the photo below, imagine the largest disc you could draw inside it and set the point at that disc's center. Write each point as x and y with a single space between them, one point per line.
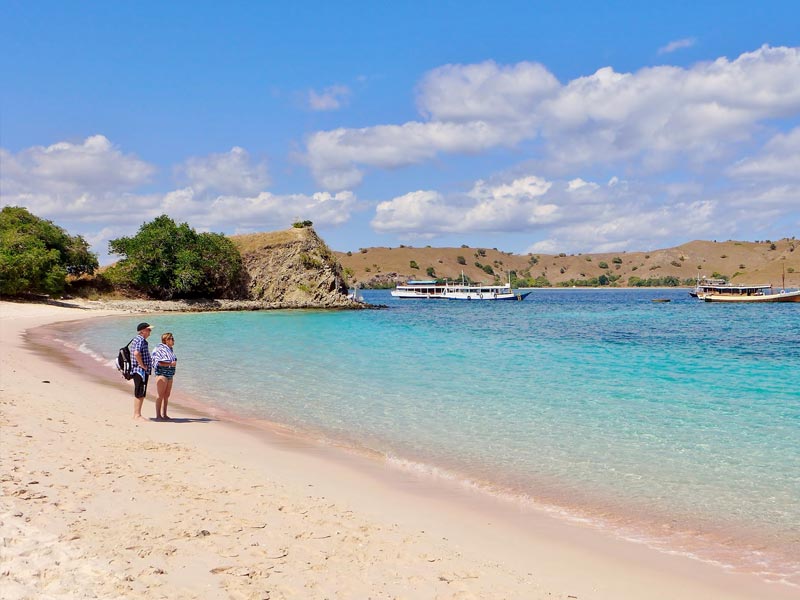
95 190
333 155
331 98
65 167
484 92
677 45
520 205
779 158
648 119
92 180
228 173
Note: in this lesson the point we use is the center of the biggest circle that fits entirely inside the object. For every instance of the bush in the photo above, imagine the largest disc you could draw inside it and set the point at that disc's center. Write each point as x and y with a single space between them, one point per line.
616 260
302 224
165 260
413 264
461 260
603 264
431 272
36 255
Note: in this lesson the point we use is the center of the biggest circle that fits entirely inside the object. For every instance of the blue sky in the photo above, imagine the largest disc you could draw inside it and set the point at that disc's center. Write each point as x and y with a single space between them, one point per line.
525 126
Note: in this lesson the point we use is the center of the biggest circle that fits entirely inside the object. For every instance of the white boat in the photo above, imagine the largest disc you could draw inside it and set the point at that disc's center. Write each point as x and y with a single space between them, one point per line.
432 289
748 293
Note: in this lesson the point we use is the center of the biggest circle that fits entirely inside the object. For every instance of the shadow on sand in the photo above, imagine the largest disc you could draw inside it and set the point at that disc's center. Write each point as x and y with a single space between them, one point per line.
183 420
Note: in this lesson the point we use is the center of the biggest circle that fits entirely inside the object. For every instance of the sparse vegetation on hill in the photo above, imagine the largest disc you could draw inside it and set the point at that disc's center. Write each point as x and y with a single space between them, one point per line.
739 262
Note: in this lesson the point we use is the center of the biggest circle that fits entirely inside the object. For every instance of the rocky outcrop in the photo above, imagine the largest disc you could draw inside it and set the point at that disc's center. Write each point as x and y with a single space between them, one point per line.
293 269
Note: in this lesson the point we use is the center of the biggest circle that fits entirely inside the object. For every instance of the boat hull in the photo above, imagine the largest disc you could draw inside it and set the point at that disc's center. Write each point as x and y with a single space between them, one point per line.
778 297
466 296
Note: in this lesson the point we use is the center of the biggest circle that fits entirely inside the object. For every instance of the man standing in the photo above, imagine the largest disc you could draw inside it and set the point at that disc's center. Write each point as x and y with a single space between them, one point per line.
142 363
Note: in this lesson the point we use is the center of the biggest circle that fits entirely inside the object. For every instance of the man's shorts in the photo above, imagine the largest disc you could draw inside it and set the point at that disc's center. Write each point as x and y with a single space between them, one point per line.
140 385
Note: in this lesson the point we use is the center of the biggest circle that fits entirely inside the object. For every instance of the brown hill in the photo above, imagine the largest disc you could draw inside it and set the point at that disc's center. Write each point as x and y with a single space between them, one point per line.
293 268
742 262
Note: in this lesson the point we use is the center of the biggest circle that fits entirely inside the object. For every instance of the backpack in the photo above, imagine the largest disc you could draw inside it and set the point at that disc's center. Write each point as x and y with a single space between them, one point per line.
124 363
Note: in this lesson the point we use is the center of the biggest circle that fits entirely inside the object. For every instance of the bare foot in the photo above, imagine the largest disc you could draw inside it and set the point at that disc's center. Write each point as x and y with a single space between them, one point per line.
166 418
138 418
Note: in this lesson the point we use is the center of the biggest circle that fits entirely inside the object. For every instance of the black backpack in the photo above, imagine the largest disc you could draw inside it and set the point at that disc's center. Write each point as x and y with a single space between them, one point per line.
124 363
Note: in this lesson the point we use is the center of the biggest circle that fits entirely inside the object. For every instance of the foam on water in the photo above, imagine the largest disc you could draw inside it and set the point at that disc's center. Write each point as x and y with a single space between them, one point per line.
674 423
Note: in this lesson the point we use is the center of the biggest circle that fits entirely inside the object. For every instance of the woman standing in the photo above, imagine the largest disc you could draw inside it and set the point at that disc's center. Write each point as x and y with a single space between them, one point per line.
165 363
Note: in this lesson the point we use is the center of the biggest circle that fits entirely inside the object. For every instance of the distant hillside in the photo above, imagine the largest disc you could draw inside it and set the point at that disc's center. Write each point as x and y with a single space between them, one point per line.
742 262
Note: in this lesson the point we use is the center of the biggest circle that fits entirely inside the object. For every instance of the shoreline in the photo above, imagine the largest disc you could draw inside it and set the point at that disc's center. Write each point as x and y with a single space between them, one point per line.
402 535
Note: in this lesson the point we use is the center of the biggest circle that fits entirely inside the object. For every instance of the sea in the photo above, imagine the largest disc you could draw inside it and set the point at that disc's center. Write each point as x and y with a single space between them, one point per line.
675 424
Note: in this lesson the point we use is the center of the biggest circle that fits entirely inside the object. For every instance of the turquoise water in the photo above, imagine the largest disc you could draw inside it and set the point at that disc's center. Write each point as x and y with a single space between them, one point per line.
676 423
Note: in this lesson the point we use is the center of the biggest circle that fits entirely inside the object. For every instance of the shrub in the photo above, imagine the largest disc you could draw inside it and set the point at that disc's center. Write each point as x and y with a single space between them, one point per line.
413 264
675 263
461 260
302 224
431 272
310 262
36 255
166 260
603 264
488 269
616 260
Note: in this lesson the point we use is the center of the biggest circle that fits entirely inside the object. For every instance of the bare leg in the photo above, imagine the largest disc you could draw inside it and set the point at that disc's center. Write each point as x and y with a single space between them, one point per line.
167 392
161 402
137 408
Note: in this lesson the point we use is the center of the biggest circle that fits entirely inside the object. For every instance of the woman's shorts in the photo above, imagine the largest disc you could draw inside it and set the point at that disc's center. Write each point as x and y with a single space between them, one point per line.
168 372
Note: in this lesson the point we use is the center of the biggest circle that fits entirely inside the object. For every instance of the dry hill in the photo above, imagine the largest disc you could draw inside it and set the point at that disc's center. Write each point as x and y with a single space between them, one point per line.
293 268
742 262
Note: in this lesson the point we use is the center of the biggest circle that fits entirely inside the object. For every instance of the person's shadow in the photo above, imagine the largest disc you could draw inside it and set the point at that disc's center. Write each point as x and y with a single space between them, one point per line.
184 420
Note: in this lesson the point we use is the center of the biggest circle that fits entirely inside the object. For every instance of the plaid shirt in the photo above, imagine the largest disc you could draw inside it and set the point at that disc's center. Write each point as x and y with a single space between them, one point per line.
140 344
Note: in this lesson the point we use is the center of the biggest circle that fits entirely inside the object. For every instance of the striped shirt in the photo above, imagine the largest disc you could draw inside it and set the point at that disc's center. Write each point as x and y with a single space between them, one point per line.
163 353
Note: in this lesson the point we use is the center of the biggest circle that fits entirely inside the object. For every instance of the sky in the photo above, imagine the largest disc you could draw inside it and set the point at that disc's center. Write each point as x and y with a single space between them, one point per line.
528 126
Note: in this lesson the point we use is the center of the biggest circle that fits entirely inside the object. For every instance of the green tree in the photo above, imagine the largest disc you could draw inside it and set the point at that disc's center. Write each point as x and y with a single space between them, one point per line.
168 260
36 255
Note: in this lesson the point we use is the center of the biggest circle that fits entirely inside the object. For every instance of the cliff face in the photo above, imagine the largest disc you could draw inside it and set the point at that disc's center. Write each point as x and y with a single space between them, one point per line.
292 268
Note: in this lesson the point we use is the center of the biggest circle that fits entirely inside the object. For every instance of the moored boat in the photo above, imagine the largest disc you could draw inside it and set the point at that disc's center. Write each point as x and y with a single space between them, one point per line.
444 290
748 293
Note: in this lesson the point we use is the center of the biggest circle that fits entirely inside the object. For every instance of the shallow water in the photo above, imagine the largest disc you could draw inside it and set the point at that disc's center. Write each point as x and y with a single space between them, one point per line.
675 423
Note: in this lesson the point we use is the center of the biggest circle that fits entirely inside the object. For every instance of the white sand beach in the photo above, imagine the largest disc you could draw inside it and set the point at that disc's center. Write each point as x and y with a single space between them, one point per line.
97 505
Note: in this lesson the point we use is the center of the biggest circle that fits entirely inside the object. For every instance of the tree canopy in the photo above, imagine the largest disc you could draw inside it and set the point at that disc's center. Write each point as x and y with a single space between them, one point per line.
167 260
36 255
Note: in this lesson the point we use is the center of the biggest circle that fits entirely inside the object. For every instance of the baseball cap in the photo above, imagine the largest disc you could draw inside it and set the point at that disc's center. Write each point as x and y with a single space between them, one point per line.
141 326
